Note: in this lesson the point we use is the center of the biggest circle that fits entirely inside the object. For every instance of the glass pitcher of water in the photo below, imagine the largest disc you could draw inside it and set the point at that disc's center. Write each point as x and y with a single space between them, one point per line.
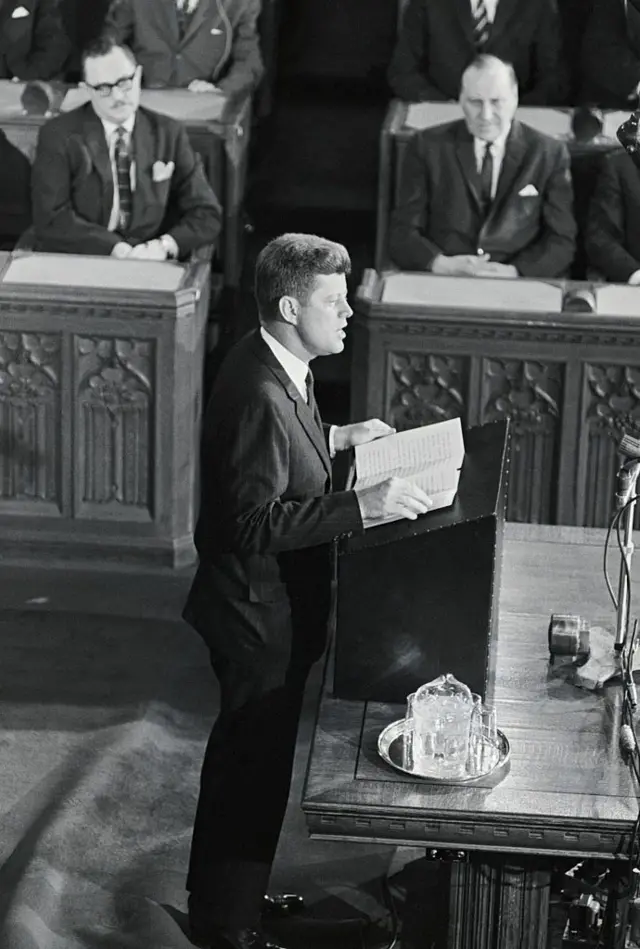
439 715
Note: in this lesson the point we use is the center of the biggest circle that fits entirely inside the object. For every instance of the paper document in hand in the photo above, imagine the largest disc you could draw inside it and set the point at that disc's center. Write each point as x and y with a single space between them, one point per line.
430 456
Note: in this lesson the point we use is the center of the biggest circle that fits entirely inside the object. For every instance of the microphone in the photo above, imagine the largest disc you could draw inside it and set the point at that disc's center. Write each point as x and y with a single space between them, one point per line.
627 742
628 137
627 477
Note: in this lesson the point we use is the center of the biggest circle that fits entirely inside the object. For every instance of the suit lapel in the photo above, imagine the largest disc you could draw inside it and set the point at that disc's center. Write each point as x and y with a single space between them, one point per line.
168 16
143 153
467 160
504 12
198 17
514 153
311 423
463 11
96 142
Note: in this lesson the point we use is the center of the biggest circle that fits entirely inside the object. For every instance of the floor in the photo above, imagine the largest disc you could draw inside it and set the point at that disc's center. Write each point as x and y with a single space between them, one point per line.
103 690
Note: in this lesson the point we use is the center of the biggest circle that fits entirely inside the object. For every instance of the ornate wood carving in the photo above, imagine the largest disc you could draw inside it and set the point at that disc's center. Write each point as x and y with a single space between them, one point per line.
530 393
29 416
611 405
508 333
114 445
426 388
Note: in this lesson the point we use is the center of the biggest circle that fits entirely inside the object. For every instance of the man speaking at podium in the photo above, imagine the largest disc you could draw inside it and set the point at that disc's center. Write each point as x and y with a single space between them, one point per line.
261 595
111 178
485 196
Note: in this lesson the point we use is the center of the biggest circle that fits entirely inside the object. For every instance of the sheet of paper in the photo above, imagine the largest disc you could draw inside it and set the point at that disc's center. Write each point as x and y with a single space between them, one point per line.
554 122
69 270
475 293
618 299
177 103
612 122
11 97
409 452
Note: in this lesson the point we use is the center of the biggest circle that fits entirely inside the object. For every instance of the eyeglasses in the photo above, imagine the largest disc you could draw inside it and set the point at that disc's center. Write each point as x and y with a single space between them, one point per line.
105 89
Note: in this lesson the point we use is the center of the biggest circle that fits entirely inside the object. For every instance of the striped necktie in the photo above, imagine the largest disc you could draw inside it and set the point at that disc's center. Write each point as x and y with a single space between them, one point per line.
486 178
481 25
123 173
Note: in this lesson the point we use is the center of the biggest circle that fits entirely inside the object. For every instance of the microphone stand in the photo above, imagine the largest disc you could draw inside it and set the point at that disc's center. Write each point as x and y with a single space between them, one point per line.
605 664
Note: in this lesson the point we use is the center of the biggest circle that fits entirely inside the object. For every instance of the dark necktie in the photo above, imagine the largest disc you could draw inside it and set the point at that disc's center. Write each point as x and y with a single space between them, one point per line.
486 178
481 25
311 399
184 17
123 172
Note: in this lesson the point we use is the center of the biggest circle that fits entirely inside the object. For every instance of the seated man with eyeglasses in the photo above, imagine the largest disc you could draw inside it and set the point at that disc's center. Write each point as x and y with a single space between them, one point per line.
113 178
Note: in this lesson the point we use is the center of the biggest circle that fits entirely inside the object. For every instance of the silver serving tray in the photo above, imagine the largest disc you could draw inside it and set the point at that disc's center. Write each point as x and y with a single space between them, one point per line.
492 758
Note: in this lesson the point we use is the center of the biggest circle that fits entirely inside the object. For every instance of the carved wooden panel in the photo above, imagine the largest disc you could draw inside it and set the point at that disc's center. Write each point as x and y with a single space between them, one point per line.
611 404
114 423
530 393
425 388
30 417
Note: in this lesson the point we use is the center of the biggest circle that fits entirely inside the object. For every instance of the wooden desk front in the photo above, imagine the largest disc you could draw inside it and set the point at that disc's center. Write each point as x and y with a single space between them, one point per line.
567 791
218 132
100 406
507 348
404 119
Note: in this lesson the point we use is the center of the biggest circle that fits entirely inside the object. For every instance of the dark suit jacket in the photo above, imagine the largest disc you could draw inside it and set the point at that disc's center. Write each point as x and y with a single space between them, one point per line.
435 45
267 512
72 186
221 47
439 210
33 46
610 57
612 238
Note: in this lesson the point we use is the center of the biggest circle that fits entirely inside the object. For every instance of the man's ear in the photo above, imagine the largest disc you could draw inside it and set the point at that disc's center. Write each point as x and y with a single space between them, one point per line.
289 308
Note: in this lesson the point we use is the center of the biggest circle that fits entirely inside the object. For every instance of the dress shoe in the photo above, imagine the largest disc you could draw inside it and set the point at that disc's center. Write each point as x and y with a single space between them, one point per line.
281 905
243 939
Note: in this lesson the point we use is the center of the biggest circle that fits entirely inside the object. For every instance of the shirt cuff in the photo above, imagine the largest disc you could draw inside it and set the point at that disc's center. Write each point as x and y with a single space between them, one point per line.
170 245
634 279
332 441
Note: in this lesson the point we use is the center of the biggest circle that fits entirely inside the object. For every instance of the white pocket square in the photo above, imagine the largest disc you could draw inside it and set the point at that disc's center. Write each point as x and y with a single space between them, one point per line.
215 31
162 170
19 12
529 191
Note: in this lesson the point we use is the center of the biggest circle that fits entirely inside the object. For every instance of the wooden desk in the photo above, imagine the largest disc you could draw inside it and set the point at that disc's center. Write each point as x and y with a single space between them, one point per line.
404 119
567 792
100 406
487 349
219 133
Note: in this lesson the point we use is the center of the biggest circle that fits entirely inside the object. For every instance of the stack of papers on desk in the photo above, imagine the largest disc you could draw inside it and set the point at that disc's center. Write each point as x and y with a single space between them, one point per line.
472 293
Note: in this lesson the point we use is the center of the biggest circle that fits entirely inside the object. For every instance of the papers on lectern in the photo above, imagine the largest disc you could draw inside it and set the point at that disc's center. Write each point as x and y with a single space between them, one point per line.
430 456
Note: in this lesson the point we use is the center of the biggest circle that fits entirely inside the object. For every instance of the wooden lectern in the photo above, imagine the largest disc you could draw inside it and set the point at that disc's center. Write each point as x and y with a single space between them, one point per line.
419 598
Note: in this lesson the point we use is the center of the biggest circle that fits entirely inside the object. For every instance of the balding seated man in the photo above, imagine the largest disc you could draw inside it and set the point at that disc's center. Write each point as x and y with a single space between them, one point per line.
201 45
439 38
112 178
485 195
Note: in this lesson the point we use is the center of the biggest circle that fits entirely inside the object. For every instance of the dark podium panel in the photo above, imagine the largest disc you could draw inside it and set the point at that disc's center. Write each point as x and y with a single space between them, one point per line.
419 598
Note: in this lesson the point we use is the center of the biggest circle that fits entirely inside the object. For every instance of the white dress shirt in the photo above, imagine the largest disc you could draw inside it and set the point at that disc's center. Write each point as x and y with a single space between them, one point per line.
297 371
497 151
295 368
489 5
110 134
